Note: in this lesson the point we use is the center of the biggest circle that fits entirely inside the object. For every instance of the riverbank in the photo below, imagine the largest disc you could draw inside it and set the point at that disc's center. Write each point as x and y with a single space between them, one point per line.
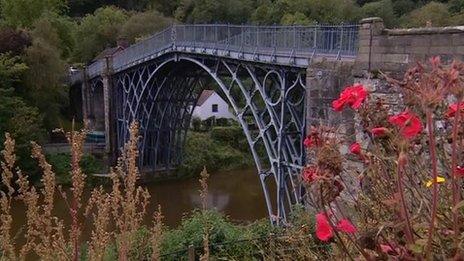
220 149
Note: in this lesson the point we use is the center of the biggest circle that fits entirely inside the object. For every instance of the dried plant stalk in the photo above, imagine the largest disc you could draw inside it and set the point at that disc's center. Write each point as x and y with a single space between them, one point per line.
129 202
204 204
156 234
6 242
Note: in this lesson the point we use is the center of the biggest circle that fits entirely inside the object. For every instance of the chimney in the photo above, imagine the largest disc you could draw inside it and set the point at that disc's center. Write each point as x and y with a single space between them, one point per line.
123 43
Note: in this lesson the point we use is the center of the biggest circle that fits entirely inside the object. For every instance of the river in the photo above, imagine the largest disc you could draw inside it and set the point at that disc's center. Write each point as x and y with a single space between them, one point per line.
237 194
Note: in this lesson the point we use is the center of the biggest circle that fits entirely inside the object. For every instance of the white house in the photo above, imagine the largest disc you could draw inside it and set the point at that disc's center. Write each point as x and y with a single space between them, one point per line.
210 104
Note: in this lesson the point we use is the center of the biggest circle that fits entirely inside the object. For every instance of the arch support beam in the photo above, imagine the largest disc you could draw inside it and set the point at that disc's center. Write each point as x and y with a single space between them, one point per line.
268 102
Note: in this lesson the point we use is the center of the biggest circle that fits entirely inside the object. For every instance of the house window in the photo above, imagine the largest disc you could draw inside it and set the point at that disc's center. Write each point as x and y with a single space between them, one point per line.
215 108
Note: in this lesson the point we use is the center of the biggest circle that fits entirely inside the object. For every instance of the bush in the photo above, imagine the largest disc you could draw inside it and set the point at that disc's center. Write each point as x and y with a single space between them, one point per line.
383 9
434 12
202 150
223 236
61 163
232 136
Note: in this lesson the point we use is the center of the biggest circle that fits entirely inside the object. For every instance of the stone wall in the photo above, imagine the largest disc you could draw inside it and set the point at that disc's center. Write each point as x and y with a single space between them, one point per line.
325 79
390 51
394 50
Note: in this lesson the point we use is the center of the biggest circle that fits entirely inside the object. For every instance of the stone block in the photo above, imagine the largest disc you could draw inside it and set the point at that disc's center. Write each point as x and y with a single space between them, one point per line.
435 50
362 57
457 39
395 58
365 42
459 50
439 40
416 49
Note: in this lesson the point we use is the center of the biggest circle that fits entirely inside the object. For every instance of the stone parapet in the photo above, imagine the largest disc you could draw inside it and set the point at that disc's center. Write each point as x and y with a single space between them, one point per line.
394 50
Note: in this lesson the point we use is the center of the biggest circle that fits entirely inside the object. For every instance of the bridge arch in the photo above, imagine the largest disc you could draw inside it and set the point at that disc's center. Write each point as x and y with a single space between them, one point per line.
268 102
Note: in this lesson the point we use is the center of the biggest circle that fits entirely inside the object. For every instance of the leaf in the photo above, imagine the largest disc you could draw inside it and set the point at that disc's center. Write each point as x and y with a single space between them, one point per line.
415 248
458 206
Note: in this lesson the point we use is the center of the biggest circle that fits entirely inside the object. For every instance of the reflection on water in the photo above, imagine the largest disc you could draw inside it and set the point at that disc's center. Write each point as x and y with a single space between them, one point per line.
238 194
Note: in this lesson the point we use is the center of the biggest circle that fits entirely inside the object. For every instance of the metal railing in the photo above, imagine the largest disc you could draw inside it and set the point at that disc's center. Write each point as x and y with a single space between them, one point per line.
288 45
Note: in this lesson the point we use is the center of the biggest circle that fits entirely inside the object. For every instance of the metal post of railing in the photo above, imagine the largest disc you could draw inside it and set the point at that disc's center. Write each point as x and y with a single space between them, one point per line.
173 36
294 38
341 42
257 36
194 37
314 41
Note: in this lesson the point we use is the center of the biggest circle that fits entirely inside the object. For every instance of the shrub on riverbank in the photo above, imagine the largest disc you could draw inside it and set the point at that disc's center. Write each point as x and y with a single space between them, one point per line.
61 163
215 151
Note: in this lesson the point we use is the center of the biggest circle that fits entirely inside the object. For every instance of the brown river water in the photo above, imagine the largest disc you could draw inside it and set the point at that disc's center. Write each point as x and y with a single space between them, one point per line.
237 194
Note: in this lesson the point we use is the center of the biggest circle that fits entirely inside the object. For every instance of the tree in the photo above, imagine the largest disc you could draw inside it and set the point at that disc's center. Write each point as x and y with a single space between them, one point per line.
23 13
65 29
166 7
98 31
334 11
216 11
383 9
11 70
144 24
456 6
296 19
13 41
402 7
23 122
434 12
44 79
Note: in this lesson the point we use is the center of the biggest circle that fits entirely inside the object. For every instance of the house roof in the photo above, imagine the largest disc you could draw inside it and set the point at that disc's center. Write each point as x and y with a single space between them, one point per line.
204 96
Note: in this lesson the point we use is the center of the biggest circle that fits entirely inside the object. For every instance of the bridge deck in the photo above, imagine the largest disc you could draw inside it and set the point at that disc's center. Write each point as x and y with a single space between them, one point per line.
292 46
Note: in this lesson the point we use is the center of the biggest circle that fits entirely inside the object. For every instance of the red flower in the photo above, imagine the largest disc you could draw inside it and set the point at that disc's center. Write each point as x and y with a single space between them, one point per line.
355 148
460 171
311 141
379 131
323 229
352 96
453 108
345 226
410 125
309 174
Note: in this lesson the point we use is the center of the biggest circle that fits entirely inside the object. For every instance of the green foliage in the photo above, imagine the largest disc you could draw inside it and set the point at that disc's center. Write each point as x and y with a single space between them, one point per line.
23 122
65 29
11 70
232 136
296 19
334 11
456 6
23 13
190 232
202 150
434 12
382 9
98 31
46 71
13 41
268 13
402 7
166 7
141 25
61 163
210 11
196 123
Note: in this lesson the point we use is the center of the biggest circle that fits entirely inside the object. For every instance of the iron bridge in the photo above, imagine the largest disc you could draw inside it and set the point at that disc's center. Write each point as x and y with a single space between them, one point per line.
259 70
